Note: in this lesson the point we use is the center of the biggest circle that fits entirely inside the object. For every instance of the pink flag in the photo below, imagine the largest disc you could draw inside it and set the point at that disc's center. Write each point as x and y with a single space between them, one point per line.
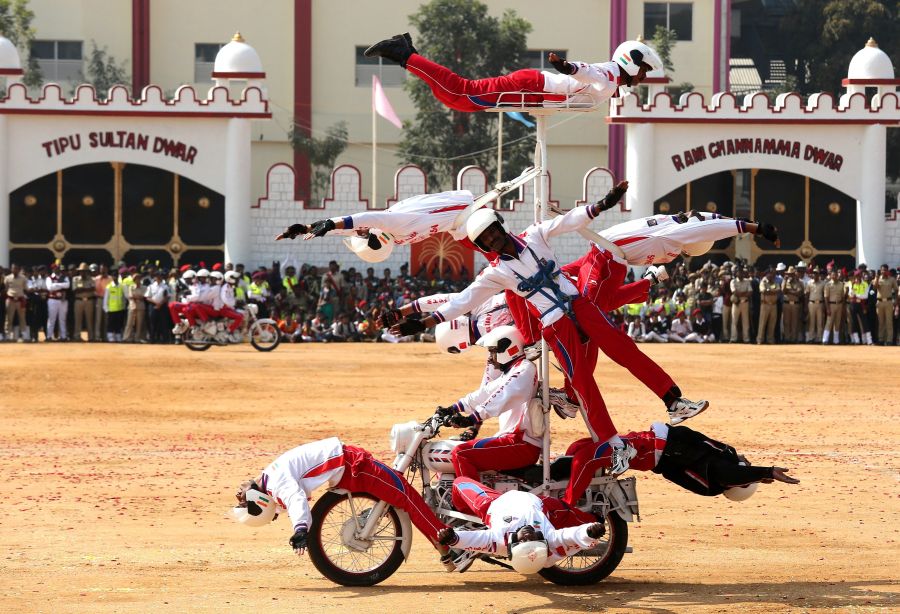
382 105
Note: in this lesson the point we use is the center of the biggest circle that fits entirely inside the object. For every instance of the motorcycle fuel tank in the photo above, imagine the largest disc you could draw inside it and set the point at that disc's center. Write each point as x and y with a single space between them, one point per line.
438 455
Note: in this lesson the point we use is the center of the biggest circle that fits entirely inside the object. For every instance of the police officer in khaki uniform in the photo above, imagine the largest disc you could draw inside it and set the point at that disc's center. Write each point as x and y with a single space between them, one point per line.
135 294
83 285
15 286
792 293
815 301
834 308
741 289
887 290
768 308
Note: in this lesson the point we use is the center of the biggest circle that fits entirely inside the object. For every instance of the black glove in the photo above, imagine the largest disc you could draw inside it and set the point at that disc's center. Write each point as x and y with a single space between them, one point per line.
462 420
698 215
613 197
410 327
298 540
389 317
295 230
322 227
596 530
445 413
768 231
447 537
562 66
373 242
681 217
469 434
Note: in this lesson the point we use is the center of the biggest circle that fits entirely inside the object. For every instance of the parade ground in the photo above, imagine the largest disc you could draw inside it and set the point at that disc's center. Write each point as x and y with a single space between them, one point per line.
120 464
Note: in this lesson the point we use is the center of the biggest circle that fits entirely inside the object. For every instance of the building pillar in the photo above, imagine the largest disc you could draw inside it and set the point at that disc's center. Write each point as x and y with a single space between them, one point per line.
870 206
4 192
237 192
639 169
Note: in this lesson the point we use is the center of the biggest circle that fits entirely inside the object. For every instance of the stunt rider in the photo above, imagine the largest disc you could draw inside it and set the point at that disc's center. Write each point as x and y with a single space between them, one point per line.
574 327
681 455
535 532
289 481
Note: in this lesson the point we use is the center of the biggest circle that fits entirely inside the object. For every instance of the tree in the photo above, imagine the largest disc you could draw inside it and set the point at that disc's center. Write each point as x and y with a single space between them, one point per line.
662 42
15 24
461 35
321 153
103 71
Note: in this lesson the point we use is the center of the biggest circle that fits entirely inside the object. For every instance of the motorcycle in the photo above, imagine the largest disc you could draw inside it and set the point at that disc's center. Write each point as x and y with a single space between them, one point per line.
263 332
358 540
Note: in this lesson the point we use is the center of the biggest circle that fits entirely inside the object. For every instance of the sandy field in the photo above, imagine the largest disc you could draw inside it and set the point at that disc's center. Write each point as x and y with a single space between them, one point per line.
120 465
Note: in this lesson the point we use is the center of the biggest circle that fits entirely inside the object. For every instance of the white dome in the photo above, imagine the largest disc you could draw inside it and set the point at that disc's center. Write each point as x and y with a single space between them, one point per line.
239 59
870 62
9 55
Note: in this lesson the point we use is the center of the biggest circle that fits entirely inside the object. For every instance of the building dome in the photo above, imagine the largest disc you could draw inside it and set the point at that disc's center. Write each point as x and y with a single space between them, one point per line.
9 58
239 60
870 62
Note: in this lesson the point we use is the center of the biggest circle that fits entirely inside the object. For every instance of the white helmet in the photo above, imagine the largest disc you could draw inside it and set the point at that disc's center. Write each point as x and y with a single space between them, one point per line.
188 275
203 273
741 493
232 277
259 510
217 275
479 221
630 54
508 342
529 557
697 249
362 248
453 336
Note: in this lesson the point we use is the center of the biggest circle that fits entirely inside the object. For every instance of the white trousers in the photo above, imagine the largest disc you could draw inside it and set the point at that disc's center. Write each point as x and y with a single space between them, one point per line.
57 309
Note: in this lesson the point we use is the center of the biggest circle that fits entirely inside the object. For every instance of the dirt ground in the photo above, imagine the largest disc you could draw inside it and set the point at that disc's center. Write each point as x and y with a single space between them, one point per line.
120 465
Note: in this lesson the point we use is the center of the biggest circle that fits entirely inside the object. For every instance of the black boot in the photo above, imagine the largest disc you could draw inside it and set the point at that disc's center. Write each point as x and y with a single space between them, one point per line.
396 49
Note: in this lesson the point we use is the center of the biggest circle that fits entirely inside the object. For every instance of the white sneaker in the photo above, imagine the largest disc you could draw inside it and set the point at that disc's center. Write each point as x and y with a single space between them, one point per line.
620 457
561 404
458 560
682 409
180 328
533 352
656 274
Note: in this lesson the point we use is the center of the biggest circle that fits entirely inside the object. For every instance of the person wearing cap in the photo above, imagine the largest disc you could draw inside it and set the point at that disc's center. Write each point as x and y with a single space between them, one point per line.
57 305
702 327
83 286
835 297
792 291
815 307
886 300
680 330
136 321
768 309
101 278
741 292
258 293
857 297
158 309
15 286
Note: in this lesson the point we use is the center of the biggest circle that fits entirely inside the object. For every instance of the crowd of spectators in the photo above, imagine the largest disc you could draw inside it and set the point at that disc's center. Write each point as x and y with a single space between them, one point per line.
740 303
93 303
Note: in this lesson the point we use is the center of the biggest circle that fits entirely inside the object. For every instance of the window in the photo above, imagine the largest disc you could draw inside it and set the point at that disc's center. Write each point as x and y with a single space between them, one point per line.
204 60
390 74
537 58
676 16
59 60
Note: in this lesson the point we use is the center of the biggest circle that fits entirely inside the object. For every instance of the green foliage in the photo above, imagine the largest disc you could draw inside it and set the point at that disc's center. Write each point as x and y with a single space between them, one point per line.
321 153
662 42
461 35
15 24
103 71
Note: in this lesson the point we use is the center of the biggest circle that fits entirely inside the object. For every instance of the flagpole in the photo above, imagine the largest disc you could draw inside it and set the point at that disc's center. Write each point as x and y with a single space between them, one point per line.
374 151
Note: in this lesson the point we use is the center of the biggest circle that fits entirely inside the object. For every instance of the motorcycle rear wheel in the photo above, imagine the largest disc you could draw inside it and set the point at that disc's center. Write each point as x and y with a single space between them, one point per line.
587 568
337 562
195 346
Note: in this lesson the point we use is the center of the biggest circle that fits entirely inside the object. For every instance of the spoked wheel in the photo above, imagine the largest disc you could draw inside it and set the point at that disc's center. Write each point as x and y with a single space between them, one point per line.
264 335
193 343
591 566
342 558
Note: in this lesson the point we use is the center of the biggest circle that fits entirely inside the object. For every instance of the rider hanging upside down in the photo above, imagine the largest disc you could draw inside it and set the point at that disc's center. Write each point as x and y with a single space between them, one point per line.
578 82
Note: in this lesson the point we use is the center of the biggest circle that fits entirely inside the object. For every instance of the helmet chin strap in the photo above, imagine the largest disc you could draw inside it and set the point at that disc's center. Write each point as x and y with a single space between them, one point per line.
373 242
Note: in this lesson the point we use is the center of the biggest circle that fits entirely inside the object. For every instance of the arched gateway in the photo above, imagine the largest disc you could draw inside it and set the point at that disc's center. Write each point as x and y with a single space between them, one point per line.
815 169
101 180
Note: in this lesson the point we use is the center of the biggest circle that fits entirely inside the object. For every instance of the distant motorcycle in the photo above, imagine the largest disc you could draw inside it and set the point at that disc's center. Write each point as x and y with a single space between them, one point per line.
263 332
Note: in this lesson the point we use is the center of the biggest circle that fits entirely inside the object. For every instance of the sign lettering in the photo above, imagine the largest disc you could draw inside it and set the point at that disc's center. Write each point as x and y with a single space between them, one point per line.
768 147
121 139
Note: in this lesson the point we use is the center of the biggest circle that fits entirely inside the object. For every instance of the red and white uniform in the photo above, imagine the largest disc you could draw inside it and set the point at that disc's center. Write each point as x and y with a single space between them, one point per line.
508 512
577 359
660 238
202 301
589 456
225 305
413 219
505 397
591 84
294 475
483 319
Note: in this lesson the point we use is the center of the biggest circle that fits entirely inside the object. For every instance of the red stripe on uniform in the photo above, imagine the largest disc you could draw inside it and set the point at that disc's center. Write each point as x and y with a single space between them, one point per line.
621 242
332 463
445 209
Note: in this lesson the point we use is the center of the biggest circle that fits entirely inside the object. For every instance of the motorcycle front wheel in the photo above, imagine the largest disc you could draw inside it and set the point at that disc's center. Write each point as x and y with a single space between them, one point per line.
335 517
591 566
264 335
